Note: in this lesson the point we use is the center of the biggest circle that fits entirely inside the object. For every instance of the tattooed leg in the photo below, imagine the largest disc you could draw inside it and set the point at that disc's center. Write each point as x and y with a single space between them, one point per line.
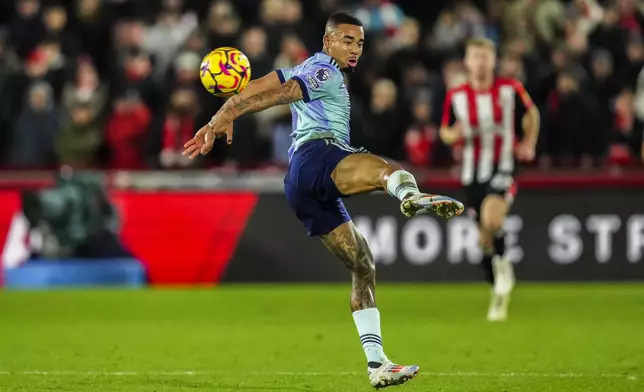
349 245
346 243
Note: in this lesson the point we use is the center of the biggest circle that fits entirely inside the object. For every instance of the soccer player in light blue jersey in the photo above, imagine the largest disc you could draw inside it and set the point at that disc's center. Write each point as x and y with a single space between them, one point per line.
324 168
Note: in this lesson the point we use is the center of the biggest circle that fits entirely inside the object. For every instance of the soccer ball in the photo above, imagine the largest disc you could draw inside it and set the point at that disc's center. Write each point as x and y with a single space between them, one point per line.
225 71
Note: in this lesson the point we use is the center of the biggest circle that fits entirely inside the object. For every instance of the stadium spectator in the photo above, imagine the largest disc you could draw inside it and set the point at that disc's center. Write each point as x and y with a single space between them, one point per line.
254 43
630 15
511 66
55 20
165 38
33 139
572 138
185 70
380 16
9 65
381 126
137 74
127 132
634 59
178 127
223 24
639 96
423 147
626 140
59 66
449 31
605 85
80 137
86 87
92 27
26 29
406 49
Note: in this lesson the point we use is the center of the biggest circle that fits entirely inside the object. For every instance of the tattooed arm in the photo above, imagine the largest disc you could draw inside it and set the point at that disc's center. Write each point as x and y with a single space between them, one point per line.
267 82
259 95
243 102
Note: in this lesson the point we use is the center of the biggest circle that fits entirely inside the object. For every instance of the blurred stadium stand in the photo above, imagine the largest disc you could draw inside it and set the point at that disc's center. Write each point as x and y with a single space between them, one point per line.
113 84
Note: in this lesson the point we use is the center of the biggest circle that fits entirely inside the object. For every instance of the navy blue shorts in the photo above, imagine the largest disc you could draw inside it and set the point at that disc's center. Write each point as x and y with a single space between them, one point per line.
309 189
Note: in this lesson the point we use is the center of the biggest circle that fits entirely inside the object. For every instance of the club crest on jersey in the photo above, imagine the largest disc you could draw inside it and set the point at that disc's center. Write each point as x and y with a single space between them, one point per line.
322 74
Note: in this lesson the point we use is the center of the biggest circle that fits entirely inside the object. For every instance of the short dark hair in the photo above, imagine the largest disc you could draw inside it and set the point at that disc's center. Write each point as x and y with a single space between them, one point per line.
339 18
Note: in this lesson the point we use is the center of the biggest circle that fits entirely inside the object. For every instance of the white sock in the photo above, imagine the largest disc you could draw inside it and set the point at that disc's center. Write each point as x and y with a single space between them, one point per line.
368 325
402 183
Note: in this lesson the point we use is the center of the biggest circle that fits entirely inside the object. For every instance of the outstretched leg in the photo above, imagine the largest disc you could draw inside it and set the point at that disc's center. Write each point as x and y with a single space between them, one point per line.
361 172
346 243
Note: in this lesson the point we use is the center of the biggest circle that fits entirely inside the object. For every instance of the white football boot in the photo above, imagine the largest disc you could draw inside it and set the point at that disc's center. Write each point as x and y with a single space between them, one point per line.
503 285
422 203
391 374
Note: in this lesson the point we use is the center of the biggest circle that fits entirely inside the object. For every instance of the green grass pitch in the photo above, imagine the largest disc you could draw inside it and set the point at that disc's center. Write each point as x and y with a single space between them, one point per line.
587 337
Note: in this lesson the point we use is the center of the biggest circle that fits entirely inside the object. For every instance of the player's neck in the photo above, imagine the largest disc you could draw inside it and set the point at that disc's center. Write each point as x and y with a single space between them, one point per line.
482 83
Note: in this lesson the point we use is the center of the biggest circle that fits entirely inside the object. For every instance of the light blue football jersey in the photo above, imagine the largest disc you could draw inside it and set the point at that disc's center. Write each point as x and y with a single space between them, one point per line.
325 111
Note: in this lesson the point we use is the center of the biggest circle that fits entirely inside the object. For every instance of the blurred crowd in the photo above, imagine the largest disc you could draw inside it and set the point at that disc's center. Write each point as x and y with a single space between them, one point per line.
114 83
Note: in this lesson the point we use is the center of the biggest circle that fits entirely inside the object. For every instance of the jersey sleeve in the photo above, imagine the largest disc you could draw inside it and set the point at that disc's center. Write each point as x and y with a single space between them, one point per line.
284 74
449 117
319 81
522 95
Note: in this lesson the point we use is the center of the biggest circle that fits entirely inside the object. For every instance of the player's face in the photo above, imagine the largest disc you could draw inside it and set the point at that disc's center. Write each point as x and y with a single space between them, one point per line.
345 45
480 60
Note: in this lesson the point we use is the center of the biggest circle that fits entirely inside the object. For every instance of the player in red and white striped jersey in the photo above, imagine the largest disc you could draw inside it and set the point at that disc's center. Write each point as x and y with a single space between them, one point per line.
480 115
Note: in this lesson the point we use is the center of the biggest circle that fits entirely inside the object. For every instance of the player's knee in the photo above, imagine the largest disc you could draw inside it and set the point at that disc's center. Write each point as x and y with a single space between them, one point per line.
493 223
485 241
493 217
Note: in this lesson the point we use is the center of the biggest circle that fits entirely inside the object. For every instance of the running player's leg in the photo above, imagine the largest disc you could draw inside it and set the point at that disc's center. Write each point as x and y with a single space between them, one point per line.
362 172
486 244
493 213
346 243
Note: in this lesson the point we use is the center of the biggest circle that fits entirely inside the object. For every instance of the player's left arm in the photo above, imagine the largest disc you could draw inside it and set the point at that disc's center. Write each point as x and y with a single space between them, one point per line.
316 83
260 94
530 123
267 82
244 103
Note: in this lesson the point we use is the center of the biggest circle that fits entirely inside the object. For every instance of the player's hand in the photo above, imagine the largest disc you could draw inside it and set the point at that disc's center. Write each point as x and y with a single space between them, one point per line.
221 125
195 145
451 135
205 138
525 151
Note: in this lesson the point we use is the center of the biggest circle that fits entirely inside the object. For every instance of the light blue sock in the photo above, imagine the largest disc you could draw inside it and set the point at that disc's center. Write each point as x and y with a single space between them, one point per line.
368 325
402 183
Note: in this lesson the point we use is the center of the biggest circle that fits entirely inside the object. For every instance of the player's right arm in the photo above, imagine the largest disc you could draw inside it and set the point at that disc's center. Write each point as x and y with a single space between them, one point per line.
450 131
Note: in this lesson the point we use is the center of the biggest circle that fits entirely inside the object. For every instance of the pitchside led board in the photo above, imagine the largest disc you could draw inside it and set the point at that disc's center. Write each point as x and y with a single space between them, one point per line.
553 235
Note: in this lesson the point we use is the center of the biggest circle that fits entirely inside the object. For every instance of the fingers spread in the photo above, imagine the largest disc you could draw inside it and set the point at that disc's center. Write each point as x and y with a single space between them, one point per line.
190 150
189 143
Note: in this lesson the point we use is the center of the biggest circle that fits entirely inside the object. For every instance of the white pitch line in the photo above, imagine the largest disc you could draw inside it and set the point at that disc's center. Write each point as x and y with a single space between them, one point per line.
206 373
